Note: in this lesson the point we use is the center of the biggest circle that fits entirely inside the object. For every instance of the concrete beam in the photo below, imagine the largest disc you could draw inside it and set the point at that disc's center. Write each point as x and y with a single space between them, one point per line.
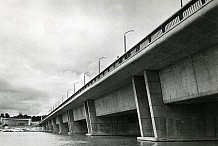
194 78
121 99
79 113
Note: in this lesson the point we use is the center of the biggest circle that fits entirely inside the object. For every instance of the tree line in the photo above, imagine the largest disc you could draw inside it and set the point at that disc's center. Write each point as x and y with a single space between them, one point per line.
21 116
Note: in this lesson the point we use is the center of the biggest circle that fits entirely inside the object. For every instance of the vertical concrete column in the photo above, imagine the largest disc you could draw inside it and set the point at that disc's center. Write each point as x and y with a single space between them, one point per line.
96 125
155 101
63 128
54 125
75 127
116 125
44 127
90 114
47 126
50 127
70 121
143 111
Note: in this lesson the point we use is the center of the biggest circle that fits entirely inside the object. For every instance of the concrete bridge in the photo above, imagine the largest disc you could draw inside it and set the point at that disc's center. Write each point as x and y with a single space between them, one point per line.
164 88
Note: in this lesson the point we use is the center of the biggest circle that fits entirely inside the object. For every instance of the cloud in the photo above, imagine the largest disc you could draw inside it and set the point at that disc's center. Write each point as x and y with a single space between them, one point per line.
47 45
19 99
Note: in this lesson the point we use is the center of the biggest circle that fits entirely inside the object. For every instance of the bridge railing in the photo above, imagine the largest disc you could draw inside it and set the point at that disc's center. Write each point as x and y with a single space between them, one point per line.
186 11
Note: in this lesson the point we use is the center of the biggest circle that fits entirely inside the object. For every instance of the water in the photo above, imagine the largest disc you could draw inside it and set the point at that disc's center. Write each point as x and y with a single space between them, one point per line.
50 139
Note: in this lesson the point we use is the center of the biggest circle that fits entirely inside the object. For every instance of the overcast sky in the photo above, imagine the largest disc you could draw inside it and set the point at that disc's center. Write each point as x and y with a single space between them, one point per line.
47 45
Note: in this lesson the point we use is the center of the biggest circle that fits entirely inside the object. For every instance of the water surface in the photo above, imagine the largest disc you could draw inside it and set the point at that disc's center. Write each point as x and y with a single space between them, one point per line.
50 139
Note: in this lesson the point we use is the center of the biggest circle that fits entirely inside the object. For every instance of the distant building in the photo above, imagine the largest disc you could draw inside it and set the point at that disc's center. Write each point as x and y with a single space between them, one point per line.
15 122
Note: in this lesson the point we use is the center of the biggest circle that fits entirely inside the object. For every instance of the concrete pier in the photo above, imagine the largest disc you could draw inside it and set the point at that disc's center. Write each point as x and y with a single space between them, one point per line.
76 127
118 124
173 122
63 127
143 111
50 127
54 125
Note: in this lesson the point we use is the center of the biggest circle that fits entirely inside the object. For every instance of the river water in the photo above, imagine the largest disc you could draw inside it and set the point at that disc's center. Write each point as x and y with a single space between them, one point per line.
50 139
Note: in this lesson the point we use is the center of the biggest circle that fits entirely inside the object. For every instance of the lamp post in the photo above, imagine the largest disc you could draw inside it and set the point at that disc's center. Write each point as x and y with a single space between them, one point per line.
85 77
125 39
62 98
67 92
74 86
99 64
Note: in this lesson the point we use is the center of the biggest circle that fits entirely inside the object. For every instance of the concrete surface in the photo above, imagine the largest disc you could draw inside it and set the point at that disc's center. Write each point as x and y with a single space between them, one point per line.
192 77
79 113
121 99
143 111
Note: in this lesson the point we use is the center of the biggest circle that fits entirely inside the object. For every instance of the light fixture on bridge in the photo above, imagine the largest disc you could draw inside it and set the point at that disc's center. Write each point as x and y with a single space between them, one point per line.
85 77
63 98
67 93
99 64
125 39
74 86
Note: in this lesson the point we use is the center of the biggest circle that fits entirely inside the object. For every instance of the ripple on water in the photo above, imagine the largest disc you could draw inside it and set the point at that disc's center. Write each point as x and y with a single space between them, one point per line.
50 139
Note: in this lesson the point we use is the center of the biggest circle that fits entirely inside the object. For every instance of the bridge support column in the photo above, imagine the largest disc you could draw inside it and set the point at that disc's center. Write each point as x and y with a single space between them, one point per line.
156 106
95 125
113 125
44 127
50 127
90 114
63 128
54 125
176 122
144 116
47 126
75 127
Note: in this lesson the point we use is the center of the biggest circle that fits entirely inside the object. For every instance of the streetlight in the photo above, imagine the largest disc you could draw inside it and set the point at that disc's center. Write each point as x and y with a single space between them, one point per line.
62 98
99 64
85 77
74 86
125 39
67 93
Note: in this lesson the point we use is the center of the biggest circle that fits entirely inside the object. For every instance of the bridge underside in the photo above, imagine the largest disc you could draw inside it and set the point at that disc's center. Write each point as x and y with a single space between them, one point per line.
142 113
168 91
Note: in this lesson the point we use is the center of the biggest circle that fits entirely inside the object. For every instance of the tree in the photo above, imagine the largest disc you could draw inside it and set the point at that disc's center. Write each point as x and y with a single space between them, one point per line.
7 115
2 115
20 116
26 116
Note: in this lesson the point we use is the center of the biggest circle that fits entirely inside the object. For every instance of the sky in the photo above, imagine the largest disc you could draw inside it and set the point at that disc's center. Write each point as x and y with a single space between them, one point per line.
47 45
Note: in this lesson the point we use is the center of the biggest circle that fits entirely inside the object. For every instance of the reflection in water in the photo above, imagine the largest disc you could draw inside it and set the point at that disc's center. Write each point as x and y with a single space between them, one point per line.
50 139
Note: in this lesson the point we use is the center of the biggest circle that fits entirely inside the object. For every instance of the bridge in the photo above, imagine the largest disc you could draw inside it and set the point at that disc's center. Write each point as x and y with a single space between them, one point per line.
165 88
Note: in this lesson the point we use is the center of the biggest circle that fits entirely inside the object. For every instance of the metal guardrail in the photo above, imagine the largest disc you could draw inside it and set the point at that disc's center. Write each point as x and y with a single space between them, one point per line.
186 11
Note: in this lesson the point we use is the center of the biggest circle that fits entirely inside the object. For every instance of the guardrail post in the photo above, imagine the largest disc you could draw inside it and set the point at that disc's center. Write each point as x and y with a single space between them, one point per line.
163 28
180 16
202 1
149 39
